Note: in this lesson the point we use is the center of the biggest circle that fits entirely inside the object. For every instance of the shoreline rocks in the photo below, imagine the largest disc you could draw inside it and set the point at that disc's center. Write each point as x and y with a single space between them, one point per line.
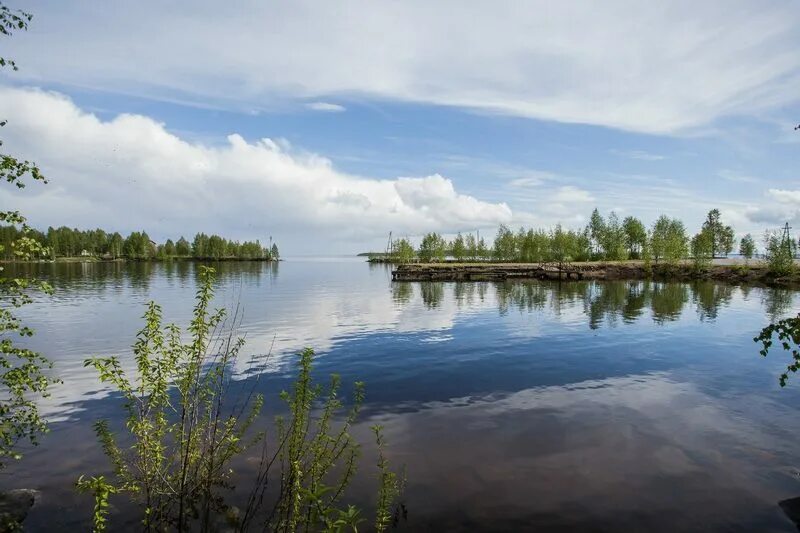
602 271
14 507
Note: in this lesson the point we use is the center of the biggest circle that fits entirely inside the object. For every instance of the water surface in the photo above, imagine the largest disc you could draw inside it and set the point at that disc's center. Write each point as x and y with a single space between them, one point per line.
607 406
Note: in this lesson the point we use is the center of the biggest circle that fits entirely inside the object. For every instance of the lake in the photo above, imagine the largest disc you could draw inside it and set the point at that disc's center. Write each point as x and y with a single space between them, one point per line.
592 406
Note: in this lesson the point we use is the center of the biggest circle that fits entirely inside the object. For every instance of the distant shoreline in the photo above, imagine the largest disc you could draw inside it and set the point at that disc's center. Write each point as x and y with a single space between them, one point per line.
151 260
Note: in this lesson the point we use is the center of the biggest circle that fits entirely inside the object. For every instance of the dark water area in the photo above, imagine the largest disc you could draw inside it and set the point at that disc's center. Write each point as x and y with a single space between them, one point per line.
589 406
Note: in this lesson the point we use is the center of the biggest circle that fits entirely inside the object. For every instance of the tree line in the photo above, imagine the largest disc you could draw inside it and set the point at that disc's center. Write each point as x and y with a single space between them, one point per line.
603 239
70 242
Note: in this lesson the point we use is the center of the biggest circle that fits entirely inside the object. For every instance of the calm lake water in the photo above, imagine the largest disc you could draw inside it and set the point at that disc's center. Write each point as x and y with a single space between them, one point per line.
623 406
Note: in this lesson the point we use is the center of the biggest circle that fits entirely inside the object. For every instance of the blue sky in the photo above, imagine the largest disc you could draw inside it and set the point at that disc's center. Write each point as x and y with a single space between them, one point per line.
351 119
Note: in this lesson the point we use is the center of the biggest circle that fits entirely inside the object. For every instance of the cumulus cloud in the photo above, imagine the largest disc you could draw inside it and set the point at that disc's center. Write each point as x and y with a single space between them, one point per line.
326 106
782 206
784 196
131 172
659 67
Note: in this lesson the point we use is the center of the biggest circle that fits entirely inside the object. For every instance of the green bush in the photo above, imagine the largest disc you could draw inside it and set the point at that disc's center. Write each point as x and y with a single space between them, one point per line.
780 254
178 468
788 334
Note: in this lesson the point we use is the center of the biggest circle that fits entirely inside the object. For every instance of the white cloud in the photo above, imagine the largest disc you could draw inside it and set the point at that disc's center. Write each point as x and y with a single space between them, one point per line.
326 106
785 197
782 206
643 66
571 194
131 172
534 178
546 203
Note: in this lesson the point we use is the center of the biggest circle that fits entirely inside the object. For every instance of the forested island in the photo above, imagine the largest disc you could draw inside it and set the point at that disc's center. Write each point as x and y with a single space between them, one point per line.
72 244
603 239
665 248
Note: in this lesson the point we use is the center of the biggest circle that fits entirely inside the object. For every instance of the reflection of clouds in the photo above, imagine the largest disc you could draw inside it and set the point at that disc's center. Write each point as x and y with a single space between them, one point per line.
313 304
419 315
97 310
321 319
606 454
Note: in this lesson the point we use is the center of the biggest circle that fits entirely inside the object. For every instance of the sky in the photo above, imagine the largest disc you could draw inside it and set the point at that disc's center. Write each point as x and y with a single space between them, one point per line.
326 125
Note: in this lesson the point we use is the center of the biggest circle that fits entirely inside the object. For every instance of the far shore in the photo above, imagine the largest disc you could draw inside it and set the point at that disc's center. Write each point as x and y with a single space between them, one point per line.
90 259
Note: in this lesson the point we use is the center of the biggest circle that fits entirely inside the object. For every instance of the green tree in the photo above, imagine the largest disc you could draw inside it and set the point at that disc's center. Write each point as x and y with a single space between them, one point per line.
597 231
96 242
534 246
505 244
779 253
747 247
702 247
432 248
402 251
635 236
200 246
727 241
136 246
668 240
458 248
560 245
613 239
231 249
169 248
647 255
216 247
23 372
483 250
471 245
583 242
52 242
115 245
182 248
721 236
274 254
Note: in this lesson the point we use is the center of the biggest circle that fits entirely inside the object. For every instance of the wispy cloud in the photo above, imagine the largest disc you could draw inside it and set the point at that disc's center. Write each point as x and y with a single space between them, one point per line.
638 154
326 106
646 66
533 178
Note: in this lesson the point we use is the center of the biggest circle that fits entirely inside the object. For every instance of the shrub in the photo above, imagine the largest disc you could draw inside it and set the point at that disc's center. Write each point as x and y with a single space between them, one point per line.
184 438
779 254
788 333
702 247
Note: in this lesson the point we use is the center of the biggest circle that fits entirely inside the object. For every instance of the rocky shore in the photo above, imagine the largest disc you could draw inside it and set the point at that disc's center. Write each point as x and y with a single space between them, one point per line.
755 273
